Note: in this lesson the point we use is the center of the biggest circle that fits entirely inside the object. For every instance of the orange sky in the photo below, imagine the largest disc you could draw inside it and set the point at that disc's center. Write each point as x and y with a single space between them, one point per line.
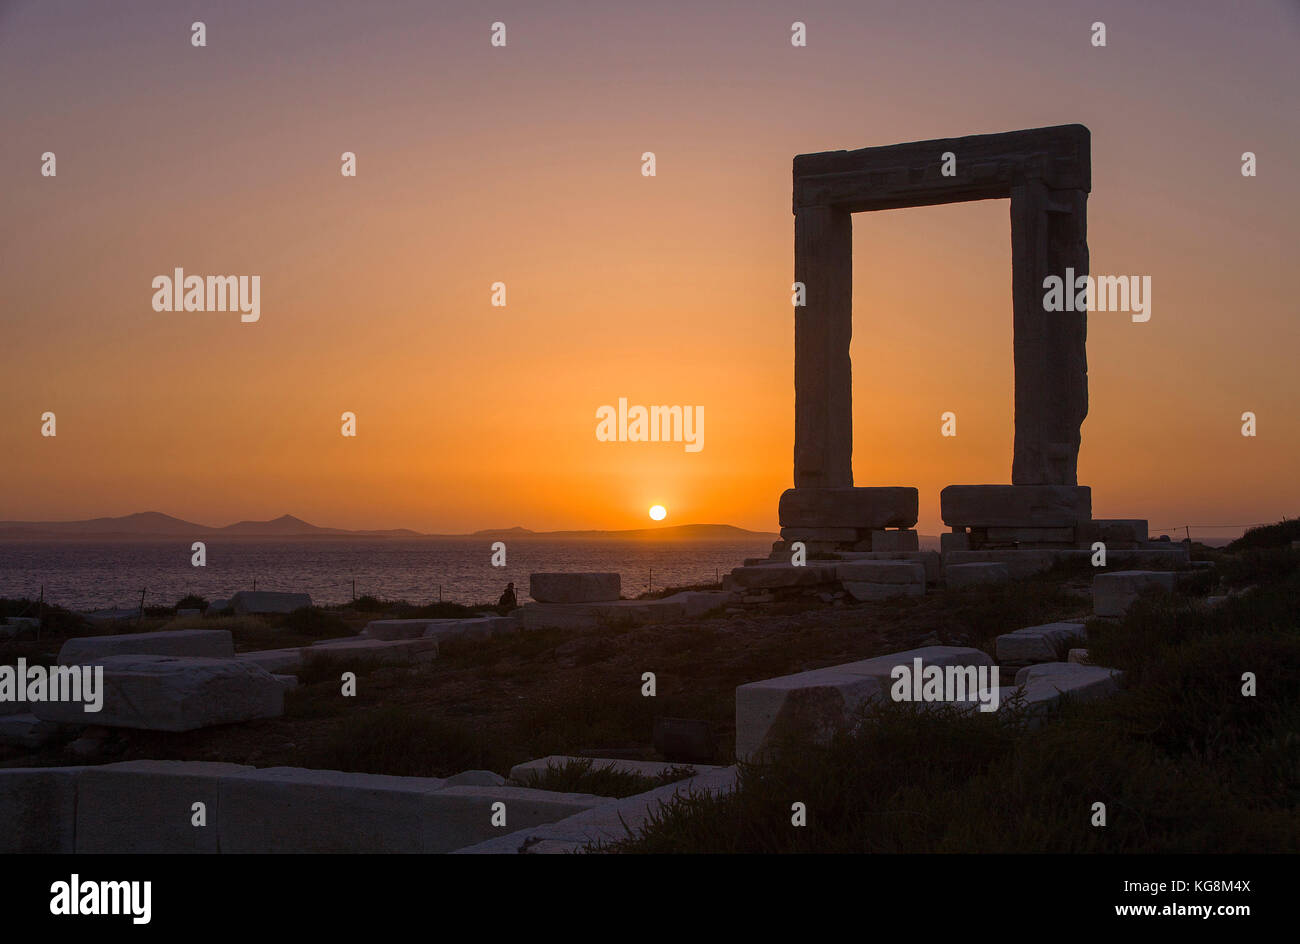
522 165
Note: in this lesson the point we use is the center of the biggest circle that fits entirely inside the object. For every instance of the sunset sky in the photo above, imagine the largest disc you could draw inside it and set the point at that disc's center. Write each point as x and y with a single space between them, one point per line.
522 164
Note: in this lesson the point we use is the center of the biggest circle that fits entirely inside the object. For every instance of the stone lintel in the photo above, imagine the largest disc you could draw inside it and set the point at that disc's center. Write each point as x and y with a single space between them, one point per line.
903 175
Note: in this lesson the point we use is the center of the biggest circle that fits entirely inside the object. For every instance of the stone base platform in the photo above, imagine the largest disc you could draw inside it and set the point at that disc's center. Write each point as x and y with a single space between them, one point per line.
1024 562
1015 506
849 508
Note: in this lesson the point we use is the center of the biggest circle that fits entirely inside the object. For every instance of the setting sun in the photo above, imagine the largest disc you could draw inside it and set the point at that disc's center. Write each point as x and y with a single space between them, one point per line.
658 512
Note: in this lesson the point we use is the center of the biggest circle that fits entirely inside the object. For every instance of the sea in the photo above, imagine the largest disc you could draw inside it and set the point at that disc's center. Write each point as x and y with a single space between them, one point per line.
90 576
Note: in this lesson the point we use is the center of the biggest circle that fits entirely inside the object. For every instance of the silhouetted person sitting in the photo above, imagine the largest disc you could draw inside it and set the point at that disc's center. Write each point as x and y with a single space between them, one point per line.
507 601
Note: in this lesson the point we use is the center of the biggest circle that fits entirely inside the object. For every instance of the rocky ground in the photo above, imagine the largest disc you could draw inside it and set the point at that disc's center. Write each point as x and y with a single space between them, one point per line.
492 703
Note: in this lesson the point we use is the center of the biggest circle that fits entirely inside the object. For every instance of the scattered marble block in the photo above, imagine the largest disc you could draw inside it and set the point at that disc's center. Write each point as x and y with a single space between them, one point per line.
481 627
216 607
38 807
200 643
771 576
146 806
389 629
476 778
395 651
811 705
881 579
1043 643
266 601
878 507
932 561
1015 506
964 575
172 693
1078 657
1045 683
1114 592
1114 532
574 588
1020 562
27 730
904 539
865 592
275 661
607 822
286 809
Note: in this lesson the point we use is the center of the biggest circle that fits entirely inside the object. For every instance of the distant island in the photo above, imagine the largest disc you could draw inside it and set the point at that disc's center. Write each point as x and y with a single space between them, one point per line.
154 525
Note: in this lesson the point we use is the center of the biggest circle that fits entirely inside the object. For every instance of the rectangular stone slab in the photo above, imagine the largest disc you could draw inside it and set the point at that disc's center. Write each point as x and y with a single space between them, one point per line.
396 628
574 588
608 822
1015 506
1044 643
274 660
882 571
284 809
201 643
876 507
1116 531
930 560
810 705
1113 593
771 576
146 806
1046 682
864 590
393 651
480 628
26 730
38 807
173 693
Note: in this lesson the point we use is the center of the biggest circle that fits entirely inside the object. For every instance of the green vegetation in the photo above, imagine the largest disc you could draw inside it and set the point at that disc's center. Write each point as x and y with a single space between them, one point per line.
1183 761
1268 536
55 620
579 776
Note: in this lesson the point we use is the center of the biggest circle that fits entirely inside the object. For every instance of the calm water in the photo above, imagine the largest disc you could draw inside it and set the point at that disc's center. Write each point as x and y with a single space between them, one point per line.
100 575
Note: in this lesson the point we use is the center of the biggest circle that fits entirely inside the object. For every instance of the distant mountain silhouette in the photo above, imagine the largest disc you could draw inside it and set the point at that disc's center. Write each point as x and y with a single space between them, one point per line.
153 524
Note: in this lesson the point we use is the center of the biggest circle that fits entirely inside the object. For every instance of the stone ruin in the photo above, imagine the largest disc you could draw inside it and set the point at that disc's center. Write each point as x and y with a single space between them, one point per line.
1046 174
